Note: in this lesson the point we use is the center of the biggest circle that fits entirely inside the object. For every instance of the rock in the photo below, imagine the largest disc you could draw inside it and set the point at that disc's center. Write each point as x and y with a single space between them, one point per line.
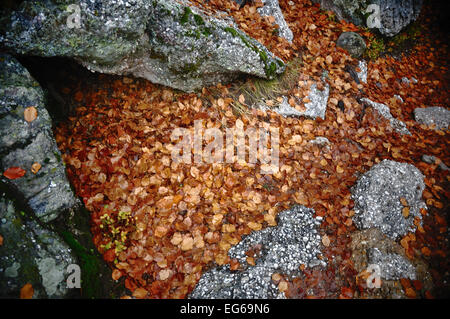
434 115
393 15
378 194
31 254
314 109
372 247
282 249
272 8
353 43
362 75
22 143
321 141
384 111
430 159
166 42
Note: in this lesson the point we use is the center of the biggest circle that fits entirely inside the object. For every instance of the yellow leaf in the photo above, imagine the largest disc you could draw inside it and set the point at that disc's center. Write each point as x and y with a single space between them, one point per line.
35 168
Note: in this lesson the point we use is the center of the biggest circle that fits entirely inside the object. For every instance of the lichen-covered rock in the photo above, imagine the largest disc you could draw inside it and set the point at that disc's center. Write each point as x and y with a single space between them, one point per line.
31 254
281 249
22 143
384 111
378 196
434 115
166 42
393 15
353 43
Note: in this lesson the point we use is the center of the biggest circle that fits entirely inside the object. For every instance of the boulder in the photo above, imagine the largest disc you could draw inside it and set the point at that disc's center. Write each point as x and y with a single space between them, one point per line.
353 43
388 16
382 194
434 115
44 189
31 254
167 42
282 249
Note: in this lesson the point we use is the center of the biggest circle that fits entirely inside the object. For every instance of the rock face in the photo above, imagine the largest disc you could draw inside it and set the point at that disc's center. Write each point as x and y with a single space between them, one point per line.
434 115
393 15
31 254
378 196
353 43
47 192
166 42
282 249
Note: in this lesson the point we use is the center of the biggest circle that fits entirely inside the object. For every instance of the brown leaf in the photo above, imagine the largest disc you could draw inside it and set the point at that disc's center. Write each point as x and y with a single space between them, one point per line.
326 241
1 240
140 293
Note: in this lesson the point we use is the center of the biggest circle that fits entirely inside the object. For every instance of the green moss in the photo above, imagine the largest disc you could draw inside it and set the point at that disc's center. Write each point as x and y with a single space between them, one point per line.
375 48
90 267
185 17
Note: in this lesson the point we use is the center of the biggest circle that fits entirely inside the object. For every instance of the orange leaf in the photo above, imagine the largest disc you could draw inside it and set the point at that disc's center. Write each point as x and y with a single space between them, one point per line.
1 240
27 291
140 293
35 168
14 172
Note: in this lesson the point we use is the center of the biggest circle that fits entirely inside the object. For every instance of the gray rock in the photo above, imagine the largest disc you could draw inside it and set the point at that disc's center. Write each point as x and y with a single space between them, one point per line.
392 266
353 43
434 115
430 159
23 143
362 75
293 242
314 109
377 196
272 8
384 111
321 141
166 42
31 254
394 15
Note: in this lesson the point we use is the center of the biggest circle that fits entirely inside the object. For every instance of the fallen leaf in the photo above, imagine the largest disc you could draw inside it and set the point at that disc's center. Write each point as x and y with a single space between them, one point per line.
140 293
27 291
35 168
30 114
14 172
325 240
1 240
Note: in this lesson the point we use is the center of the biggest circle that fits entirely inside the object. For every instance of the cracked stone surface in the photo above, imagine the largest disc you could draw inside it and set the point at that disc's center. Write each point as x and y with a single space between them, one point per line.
293 242
377 196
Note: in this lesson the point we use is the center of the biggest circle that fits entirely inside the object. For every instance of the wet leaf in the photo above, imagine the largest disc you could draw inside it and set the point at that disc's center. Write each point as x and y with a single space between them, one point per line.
14 172
27 291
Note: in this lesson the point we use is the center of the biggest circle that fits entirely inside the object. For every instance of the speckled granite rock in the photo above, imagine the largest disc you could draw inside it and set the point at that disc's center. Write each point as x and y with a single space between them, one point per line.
167 42
377 195
272 8
294 241
352 42
434 115
23 143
